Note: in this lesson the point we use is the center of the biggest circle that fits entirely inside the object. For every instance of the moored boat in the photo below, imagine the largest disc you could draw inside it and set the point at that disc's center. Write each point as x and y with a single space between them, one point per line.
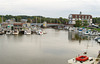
1 33
99 33
84 60
97 39
8 32
80 30
39 32
26 32
15 32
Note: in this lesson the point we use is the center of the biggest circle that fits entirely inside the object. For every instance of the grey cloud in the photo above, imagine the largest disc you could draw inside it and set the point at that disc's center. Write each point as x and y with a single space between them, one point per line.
52 8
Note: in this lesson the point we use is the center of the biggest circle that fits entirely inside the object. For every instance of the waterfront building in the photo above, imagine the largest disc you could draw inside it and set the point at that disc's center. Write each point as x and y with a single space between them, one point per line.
24 20
18 25
74 17
4 25
10 21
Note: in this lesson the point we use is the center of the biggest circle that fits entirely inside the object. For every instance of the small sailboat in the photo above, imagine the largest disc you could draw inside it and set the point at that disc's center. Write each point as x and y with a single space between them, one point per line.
80 30
44 32
97 39
39 32
27 32
34 29
99 33
8 32
1 33
87 32
15 32
66 28
60 28
71 29
93 33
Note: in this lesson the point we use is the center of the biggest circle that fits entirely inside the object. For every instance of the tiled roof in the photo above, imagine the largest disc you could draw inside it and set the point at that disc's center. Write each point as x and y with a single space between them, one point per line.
81 16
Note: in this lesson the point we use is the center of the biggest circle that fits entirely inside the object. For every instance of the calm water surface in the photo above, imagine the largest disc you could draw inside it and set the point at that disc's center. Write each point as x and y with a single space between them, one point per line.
55 47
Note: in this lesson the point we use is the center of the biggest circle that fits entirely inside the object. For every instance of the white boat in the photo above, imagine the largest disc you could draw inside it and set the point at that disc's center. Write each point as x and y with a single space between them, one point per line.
80 30
34 29
15 32
66 28
8 32
84 60
87 32
99 33
97 39
39 32
71 29
60 28
27 32
44 32
93 33
1 33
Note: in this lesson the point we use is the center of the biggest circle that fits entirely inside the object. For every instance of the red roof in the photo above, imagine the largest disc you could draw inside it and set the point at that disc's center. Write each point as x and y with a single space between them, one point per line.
81 15
18 24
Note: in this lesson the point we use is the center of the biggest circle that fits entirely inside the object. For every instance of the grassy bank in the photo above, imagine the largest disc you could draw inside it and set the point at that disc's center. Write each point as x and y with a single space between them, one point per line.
97 29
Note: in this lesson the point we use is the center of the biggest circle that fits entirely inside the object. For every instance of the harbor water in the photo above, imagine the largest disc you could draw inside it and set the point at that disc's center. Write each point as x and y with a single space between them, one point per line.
55 47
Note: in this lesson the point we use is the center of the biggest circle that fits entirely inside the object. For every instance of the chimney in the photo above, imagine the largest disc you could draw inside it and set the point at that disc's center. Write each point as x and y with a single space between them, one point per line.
80 13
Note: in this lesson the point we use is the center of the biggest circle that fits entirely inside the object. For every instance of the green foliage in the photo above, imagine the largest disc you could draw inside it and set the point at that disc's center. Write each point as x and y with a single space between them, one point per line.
99 25
18 19
85 23
96 20
40 19
97 29
0 20
78 23
59 21
29 20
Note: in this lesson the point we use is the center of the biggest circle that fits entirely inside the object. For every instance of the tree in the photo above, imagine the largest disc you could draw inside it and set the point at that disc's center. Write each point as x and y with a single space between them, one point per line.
59 21
60 18
29 20
96 20
18 19
78 23
33 19
0 20
38 19
85 23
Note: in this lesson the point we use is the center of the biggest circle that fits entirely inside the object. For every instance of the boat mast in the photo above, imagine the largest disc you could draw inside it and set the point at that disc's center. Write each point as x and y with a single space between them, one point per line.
36 21
40 19
2 18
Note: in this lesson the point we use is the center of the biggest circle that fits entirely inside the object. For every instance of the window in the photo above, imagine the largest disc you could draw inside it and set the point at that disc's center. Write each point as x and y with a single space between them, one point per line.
79 16
76 16
89 17
85 17
82 17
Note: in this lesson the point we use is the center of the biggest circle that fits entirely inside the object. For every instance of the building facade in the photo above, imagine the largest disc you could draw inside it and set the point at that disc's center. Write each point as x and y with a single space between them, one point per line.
74 17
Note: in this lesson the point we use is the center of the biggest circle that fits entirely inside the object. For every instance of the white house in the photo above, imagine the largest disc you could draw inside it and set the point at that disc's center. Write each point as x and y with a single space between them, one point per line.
74 17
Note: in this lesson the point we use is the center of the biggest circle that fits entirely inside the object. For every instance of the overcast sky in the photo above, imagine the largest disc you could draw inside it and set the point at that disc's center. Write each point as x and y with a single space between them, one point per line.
50 8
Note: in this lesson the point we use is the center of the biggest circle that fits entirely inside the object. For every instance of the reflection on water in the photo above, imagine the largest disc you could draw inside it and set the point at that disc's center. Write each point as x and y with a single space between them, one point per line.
55 47
77 36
